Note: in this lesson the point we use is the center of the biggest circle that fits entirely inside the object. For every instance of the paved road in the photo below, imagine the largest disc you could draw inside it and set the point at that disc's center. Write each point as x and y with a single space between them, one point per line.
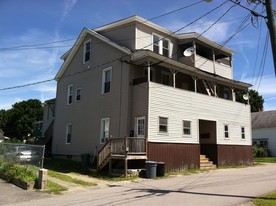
216 188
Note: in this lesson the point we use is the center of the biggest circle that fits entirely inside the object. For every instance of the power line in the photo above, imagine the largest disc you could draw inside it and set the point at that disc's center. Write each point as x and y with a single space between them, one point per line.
26 85
66 40
117 59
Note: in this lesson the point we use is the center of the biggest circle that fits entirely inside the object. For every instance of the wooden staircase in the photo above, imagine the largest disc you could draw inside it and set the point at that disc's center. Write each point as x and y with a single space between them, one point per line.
126 148
205 163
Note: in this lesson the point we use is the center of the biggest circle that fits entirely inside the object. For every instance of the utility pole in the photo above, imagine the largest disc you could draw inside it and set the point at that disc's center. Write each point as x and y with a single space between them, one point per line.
272 29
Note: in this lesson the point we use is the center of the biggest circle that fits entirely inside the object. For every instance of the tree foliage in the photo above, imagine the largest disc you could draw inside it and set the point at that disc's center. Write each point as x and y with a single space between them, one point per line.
17 122
256 100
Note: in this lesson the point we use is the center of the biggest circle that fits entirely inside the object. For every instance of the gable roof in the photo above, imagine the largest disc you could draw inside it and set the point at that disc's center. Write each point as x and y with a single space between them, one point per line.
140 20
263 119
70 53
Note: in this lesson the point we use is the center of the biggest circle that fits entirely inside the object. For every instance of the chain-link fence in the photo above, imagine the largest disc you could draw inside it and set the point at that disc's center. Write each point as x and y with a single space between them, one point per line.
22 154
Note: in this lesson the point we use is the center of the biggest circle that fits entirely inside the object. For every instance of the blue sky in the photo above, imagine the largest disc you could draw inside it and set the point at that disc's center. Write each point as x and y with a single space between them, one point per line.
35 33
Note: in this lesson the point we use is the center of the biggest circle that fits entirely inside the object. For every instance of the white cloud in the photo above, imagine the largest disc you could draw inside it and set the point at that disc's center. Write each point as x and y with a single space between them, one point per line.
218 33
266 88
68 6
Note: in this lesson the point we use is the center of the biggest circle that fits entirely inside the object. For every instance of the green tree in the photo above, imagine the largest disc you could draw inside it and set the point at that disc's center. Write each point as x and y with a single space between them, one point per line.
256 100
18 121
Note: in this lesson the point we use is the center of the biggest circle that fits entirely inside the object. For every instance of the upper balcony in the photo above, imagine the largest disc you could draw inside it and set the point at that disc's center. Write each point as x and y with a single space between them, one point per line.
183 76
205 55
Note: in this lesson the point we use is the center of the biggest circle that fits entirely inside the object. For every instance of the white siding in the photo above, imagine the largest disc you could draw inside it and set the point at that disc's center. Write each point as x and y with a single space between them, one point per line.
143 40
208 66
270 135
178 105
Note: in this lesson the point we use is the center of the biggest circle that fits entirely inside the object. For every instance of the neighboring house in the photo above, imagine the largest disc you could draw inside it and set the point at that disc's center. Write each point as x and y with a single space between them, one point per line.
2 136
48 124
264 130
161 96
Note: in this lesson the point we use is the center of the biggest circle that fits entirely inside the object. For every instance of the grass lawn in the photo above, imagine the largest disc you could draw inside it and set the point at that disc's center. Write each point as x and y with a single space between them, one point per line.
267 200
54 188
265 159
67 178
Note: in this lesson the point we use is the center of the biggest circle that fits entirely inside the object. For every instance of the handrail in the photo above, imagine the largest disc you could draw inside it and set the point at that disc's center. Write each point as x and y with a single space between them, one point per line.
104 153
121 146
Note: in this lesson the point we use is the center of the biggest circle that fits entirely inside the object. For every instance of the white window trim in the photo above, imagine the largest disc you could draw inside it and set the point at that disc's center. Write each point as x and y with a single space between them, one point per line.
67 132
77 100
84 51
227 131
68 93
102 129
160 44
163 133
136 126
103 79
187 135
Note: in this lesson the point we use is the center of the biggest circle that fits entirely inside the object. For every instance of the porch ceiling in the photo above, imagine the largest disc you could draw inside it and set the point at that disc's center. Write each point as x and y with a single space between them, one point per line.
142 56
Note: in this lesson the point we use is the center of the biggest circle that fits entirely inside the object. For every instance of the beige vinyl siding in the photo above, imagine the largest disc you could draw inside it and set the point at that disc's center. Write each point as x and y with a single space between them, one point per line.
144 39
123 35
178 105
211 67
86 114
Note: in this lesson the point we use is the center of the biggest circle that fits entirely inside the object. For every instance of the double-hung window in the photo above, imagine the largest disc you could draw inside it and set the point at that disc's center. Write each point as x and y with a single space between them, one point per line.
163 125
105 122
226 131
156 44
87 51
161 45
78 94
68 133
186 127
106 80
70 94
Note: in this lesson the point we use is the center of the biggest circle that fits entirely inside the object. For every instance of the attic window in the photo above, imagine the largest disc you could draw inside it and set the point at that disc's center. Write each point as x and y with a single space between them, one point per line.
87 51
161 45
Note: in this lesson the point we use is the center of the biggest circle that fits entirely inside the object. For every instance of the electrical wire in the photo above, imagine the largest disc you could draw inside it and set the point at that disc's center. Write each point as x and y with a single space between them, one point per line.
26 85
257 53
66 40
262 66
113 60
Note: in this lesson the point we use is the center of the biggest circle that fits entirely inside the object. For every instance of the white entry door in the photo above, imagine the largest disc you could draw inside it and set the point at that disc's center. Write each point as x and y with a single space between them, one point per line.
140 127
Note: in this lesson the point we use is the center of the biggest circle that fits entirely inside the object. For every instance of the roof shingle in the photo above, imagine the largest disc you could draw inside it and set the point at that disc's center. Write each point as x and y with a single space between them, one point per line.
263 119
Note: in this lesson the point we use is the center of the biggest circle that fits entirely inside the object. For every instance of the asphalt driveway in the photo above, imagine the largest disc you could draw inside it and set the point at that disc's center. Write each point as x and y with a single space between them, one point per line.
216 188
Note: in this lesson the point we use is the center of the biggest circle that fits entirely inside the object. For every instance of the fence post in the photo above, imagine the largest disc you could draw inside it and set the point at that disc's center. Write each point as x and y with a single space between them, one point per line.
42 158
42 178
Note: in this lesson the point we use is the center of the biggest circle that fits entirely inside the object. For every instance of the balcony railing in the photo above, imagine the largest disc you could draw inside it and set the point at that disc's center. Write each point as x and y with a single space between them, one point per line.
123 146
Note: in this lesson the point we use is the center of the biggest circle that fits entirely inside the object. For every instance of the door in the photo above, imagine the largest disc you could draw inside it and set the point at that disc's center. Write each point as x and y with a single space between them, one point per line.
140 127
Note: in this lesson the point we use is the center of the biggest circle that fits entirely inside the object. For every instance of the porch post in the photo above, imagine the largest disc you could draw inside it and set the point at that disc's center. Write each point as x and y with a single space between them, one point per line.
174 73
148 70
214 61
195 80
215 89
233 94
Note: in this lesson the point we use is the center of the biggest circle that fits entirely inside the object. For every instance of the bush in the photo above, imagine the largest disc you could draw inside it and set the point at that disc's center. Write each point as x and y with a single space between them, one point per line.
260 152
11 171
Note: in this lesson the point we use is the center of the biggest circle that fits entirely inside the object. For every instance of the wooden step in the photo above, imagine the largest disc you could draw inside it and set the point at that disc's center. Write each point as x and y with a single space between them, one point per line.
205 163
